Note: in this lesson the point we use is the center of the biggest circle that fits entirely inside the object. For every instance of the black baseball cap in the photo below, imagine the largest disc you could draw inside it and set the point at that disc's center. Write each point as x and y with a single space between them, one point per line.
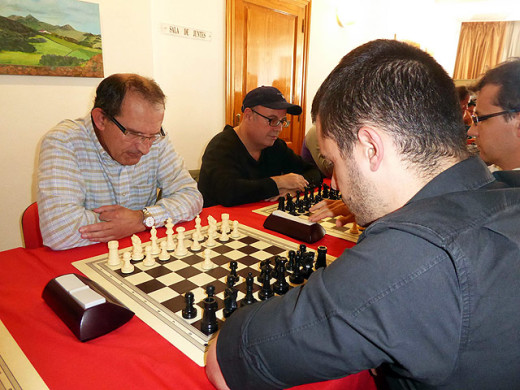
269 97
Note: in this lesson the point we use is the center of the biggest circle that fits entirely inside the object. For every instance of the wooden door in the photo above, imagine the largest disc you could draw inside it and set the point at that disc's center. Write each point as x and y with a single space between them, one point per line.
266 44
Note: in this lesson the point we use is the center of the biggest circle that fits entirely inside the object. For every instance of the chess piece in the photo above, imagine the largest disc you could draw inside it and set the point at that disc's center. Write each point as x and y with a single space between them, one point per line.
249 299
181 247
207 264
230 299
297 276
137 249
210 242
164 256
195 245
266 292
224 226
307 264
170 243
149 261
290 264
281 203
209 324
197 235
190 311
153 239
321 260
235 233
113 254
223 236
233 265
354 229
127 267
281 286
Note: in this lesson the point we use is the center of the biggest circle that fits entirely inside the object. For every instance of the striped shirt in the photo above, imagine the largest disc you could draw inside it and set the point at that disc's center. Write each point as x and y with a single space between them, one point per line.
77 175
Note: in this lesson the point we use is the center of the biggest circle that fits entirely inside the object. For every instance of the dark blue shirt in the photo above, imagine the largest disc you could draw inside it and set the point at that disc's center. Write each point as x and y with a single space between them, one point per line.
430 294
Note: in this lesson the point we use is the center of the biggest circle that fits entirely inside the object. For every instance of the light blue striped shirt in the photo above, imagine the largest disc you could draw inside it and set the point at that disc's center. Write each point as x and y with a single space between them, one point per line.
77 175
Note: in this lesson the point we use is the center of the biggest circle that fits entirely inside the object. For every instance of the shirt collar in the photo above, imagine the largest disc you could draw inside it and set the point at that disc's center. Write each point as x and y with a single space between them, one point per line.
468 174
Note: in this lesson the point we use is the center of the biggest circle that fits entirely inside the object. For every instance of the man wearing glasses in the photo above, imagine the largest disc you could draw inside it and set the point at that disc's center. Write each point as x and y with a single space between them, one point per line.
250 163
496 122
99 176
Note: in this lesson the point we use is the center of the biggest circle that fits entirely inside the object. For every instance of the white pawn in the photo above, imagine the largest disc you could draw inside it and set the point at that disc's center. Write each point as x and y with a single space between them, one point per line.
225 223
137 249
207 264
181 247
153 238
235 233
170 247
113 253
223 236
211 237
149 261
127 267
164 256
197 235
195 246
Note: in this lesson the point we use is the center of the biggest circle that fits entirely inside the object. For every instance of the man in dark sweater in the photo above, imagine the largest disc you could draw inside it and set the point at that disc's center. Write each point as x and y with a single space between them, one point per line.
249 163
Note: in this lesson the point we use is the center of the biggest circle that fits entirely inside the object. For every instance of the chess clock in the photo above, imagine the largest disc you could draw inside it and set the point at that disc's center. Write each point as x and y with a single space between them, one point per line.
84 306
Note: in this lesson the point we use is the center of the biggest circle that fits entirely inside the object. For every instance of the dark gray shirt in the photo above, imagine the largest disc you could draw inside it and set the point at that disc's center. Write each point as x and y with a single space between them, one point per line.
430 294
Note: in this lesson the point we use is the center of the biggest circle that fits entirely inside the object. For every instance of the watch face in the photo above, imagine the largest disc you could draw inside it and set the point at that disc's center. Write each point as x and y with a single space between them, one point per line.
149 222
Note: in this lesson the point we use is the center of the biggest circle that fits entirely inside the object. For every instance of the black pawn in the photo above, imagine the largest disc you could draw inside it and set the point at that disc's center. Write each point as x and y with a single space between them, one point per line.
266 292
233 265
230 300
307 264
281 286
209 324
290 264
281 203
297 276
190 311
249 299
321 260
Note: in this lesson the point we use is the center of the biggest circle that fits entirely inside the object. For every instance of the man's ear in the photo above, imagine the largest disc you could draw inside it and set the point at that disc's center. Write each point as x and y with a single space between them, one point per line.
372 146
99 118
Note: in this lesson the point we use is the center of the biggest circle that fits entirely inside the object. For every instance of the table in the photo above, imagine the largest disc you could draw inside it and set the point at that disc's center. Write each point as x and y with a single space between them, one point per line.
133 356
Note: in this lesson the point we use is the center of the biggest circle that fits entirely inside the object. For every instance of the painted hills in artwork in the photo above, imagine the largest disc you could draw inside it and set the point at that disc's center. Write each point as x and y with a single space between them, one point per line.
30 46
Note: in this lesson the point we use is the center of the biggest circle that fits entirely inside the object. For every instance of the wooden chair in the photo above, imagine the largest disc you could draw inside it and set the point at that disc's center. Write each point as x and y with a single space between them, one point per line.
32 235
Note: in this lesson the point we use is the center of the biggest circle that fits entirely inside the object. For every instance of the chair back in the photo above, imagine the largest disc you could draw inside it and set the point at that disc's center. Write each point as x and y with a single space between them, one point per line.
32 236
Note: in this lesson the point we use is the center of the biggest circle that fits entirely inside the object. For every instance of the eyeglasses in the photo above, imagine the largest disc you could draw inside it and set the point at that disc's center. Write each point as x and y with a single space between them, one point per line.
135 136
274 122
476 119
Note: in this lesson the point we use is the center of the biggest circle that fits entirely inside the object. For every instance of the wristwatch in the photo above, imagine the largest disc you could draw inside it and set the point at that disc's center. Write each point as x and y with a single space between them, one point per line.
148 220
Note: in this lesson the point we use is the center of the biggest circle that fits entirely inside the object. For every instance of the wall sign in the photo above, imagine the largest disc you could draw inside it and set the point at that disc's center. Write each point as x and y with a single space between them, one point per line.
185 32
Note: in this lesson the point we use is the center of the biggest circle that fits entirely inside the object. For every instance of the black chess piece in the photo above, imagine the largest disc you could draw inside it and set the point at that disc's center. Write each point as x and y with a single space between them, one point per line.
209 324
303 248
281 203
307 264
230 300
249 299
290 263
297 276
233 265
281 286
325 193
189 311
321 260
266 292
311 194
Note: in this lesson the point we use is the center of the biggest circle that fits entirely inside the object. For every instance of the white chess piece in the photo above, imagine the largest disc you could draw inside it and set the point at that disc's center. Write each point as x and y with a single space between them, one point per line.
235 233
181 246
197 235
195 246
223 236
153 238
149 261
127 267
207 264
224 227
137 249
113 253
164 256
211 237
170 247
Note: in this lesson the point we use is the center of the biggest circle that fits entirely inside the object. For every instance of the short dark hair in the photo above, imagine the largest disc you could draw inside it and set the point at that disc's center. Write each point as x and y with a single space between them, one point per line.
507 76
112 90
462 92
400 89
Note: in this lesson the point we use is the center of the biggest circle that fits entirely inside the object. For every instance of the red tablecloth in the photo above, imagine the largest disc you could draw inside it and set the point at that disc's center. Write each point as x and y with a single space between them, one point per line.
131 357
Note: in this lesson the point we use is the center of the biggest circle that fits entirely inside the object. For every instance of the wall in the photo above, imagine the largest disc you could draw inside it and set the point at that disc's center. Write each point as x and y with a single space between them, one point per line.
192 72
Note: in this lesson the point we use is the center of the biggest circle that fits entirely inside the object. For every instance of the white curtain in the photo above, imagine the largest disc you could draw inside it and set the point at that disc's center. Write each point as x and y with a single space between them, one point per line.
511 41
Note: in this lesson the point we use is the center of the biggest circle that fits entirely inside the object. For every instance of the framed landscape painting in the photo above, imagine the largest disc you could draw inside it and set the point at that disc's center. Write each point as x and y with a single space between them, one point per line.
51 38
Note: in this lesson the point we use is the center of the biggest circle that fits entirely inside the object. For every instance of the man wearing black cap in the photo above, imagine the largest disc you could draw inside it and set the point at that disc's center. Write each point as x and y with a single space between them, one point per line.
250 163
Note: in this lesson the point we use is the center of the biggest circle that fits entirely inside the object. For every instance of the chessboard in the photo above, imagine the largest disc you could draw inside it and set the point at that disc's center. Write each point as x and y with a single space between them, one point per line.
157 293
329 224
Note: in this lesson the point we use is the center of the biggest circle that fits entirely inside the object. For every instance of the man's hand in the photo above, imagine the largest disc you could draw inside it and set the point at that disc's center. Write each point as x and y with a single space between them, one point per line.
331 208
290 182
117 222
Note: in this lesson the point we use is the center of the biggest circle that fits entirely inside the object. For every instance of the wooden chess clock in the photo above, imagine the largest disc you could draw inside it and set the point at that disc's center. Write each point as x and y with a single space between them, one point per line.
294 227
84 306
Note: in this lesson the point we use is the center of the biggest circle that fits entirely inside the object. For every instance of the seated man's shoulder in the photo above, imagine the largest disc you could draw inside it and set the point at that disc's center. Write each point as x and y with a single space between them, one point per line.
67 131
